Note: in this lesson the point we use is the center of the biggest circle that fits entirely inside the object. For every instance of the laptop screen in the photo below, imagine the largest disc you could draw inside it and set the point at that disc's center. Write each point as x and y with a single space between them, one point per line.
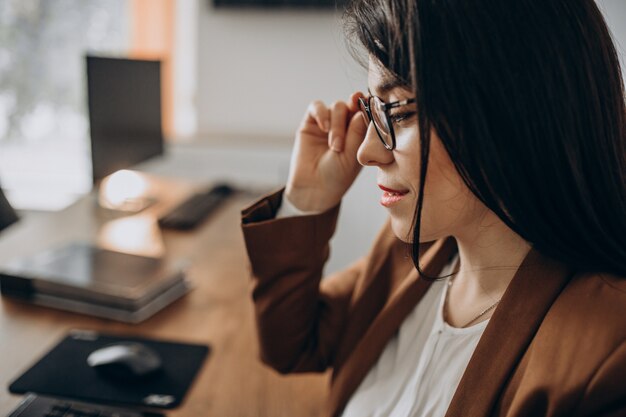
124 97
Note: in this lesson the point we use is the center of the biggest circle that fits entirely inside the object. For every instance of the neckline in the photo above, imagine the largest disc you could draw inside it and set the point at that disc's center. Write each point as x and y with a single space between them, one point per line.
440 323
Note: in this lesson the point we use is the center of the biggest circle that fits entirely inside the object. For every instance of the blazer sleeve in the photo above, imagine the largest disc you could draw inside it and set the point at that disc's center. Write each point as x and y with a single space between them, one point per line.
605 395
299 316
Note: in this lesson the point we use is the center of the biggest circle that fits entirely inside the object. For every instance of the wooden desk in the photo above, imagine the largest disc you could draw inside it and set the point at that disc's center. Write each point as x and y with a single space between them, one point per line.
218 311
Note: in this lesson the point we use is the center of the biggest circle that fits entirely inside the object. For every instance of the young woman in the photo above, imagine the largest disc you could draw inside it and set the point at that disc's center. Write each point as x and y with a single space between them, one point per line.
498 132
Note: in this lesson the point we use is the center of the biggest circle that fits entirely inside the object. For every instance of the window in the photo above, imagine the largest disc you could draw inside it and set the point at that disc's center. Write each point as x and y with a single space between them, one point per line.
44 128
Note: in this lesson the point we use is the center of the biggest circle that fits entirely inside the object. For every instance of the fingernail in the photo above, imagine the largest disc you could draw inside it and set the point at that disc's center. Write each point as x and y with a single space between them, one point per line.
334 144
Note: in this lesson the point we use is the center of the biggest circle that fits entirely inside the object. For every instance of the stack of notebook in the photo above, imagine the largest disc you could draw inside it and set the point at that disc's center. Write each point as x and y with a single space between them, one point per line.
86 279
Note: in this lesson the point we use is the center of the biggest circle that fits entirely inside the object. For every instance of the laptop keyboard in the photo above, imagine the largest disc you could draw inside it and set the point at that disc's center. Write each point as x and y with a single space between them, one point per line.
40 406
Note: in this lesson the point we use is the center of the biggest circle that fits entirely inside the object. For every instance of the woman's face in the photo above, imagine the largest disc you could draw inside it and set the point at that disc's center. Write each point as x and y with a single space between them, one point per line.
449 207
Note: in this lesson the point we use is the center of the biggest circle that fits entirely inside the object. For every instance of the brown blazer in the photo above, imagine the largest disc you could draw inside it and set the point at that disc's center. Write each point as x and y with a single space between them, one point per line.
555 346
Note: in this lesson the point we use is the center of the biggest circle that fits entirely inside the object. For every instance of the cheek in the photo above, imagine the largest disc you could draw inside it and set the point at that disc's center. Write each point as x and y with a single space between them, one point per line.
408 158
443 182
447 200
448 203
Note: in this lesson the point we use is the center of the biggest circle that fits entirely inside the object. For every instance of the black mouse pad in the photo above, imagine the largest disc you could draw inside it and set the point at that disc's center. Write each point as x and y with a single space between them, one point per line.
64 372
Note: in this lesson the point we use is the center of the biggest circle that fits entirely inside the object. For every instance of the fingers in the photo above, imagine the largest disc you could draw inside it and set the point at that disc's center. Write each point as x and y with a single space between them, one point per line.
338 124
334 120
353 102
320 114
357 129
341 116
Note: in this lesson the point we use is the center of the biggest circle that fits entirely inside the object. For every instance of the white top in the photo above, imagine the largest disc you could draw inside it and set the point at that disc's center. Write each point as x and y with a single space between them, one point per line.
420 368
287 209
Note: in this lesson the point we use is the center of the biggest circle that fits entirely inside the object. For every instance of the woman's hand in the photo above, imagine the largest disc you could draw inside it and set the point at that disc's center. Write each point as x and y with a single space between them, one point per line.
323 162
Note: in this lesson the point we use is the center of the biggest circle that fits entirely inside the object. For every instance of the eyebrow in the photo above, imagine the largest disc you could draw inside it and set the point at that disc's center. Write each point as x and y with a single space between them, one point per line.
387 85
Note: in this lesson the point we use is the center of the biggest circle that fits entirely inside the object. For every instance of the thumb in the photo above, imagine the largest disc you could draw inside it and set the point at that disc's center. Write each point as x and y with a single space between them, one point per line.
357 129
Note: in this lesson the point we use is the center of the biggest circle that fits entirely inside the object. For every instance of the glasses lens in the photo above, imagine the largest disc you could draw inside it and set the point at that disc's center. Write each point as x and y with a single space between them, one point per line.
380 120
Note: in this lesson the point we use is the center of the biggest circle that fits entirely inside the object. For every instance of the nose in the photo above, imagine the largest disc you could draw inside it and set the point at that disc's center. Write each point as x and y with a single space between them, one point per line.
372 152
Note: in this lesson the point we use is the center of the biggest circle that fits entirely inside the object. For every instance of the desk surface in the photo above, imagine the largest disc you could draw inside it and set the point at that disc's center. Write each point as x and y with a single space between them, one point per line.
218 311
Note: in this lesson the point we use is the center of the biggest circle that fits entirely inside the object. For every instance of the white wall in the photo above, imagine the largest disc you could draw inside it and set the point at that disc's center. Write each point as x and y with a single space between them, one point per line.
258 70
615 14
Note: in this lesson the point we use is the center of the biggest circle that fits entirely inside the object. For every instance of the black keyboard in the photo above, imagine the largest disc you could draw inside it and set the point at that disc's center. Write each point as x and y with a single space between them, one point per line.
41 406
193 211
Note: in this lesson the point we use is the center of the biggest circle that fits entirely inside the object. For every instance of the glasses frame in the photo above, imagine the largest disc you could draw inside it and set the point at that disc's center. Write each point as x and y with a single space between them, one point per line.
366 106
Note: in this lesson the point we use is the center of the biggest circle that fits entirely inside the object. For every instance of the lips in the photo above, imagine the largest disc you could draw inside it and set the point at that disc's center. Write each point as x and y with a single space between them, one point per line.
391 196
392 191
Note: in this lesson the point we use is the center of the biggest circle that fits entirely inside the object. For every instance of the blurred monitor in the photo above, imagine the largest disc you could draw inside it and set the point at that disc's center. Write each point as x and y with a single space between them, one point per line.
8 216
124 97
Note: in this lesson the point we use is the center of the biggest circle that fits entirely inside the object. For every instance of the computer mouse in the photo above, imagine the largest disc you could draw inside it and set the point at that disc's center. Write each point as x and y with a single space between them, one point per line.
125 360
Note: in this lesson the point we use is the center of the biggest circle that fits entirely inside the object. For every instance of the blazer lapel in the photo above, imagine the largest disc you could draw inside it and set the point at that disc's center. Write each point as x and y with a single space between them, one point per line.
535 286
401 302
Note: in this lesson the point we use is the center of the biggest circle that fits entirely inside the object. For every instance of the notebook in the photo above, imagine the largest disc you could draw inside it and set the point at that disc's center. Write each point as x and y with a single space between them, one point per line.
87 279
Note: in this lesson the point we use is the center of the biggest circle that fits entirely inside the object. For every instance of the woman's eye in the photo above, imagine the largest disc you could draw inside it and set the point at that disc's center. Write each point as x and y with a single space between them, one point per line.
398 118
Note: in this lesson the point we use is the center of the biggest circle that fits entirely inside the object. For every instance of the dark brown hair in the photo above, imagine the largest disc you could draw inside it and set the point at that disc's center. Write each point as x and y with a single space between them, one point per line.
528 100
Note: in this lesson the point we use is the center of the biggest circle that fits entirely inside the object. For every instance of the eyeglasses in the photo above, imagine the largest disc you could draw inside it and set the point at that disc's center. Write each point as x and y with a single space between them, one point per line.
377 111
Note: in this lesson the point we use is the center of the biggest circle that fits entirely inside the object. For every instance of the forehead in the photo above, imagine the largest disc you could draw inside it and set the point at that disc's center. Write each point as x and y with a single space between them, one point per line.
381 83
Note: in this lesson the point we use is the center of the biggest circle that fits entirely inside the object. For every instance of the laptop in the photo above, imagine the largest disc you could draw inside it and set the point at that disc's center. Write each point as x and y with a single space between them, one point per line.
87 279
